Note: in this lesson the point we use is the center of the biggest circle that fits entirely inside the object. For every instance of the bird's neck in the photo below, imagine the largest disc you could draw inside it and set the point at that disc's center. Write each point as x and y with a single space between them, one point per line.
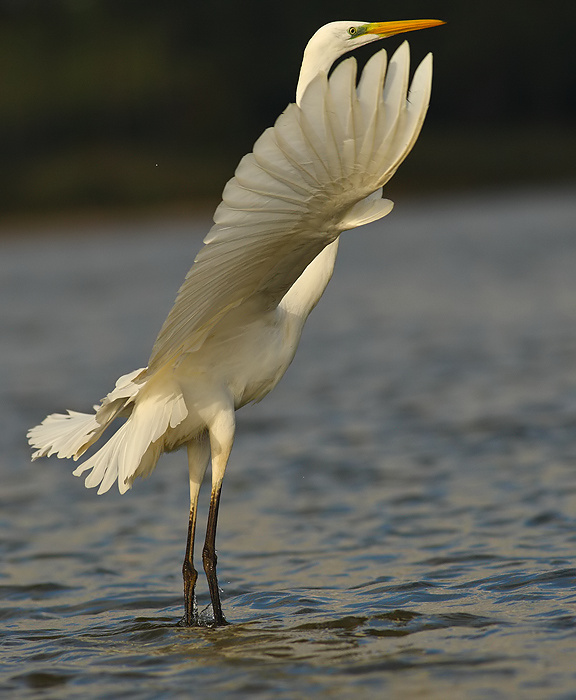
305 293
316 59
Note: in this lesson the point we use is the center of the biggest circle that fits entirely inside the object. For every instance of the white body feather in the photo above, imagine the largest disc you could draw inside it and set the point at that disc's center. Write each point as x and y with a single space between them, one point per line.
238 317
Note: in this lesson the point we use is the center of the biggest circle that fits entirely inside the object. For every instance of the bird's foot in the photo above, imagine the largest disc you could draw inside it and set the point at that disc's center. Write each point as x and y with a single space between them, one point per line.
188 621
221 621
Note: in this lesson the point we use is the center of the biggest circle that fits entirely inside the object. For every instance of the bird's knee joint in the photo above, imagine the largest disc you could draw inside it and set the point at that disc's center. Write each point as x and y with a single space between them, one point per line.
189 573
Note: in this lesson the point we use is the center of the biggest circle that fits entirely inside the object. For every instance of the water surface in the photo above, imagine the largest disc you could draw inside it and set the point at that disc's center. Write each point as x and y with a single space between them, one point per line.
398 517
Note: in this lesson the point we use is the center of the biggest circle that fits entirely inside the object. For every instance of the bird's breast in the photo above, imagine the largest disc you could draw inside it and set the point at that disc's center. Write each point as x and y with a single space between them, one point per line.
263 356
245 357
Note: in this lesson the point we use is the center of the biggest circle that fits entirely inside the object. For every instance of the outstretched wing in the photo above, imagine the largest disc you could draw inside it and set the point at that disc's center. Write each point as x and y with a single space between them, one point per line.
309 177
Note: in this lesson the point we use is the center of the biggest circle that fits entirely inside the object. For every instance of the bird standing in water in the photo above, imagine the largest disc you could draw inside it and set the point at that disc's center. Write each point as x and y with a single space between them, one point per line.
238 317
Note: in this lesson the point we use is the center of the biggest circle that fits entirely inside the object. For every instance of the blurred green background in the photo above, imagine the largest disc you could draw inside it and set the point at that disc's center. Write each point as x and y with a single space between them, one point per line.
130 104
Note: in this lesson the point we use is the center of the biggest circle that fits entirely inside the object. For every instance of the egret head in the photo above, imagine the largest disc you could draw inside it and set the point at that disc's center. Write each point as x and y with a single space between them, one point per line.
337 38
341 37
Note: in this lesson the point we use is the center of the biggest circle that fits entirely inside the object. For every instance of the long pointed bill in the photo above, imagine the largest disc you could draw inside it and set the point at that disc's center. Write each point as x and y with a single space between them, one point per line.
386 29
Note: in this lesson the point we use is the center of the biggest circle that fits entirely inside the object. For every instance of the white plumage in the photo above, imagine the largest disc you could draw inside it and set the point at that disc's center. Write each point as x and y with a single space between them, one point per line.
239 314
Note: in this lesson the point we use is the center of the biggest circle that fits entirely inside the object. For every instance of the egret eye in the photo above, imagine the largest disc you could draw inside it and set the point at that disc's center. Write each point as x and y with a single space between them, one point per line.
352 31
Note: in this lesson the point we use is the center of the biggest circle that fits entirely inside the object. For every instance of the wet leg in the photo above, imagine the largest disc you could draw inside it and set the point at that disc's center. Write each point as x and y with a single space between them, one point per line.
198 457
210 559
221 431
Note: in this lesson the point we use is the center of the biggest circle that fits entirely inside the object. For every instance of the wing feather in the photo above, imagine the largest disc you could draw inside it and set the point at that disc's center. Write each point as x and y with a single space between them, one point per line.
339 106
252 173
408 123
315 173
370 99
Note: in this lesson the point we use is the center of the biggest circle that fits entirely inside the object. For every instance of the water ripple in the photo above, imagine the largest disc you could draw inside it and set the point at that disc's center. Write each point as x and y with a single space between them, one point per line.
398 519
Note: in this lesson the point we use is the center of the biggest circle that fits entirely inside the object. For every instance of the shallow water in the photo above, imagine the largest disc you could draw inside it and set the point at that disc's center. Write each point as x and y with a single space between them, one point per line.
398 517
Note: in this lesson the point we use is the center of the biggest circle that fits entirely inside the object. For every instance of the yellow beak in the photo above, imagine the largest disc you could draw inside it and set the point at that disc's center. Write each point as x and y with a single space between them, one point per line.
385 29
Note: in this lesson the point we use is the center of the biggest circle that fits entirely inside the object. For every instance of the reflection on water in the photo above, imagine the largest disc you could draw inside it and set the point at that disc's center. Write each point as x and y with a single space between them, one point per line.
398 515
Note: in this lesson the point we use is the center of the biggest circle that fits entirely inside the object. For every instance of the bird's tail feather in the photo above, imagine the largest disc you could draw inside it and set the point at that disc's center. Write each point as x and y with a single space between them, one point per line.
64 434
135 447
71 434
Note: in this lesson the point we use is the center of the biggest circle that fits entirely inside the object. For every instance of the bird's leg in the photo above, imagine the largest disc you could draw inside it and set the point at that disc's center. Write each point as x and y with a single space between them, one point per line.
189 574
221 439
209 558
198 456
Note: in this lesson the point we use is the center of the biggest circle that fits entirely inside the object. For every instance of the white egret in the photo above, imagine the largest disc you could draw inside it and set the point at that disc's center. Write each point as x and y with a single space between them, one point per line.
238 316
